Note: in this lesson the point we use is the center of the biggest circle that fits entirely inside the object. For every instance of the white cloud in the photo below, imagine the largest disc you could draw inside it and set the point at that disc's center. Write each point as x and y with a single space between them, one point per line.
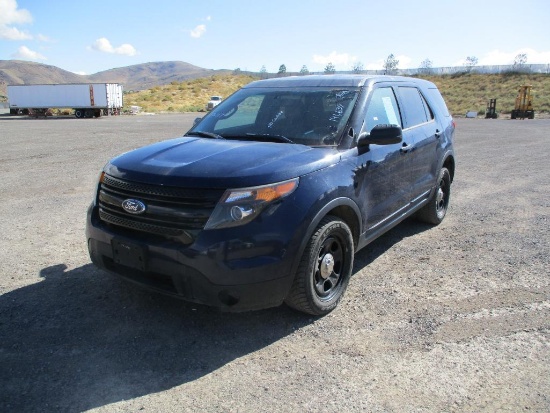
497 57
104 45
376 65
198 31
42 38
341 61
208 18
12 15
12 33
27 54
404 63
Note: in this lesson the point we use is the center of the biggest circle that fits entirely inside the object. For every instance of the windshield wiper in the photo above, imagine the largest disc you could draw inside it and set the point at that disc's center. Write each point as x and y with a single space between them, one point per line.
268 137
204 134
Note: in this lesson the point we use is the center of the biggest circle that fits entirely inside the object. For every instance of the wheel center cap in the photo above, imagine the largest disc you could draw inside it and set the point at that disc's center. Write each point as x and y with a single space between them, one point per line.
440 195
327 265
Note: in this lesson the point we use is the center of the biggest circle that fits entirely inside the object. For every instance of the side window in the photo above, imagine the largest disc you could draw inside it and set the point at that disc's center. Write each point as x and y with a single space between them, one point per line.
416 108
382 109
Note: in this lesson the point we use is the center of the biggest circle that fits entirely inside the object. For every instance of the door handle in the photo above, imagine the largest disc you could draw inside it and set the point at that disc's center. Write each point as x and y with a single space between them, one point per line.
437 134
406 148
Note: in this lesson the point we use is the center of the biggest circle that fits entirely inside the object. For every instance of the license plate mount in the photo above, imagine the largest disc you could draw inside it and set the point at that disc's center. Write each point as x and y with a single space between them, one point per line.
129 254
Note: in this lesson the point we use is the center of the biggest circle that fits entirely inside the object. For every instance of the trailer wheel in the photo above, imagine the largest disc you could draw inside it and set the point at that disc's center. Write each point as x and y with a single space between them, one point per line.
98 113
79 113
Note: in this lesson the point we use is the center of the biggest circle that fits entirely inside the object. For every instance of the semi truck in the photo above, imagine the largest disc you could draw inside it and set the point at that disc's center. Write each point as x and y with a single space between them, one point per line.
86 99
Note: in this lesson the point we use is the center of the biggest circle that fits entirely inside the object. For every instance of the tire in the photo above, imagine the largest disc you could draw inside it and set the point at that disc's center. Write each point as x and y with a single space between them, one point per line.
435 210
79 113
324 270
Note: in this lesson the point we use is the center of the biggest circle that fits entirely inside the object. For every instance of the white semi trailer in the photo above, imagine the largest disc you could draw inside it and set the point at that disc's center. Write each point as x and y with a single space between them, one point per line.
87 99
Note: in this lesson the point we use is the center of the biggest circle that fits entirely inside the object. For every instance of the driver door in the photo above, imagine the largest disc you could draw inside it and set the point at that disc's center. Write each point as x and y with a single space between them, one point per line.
384 180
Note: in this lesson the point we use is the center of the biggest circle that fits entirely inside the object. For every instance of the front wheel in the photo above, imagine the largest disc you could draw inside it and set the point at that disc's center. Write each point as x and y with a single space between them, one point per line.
436 208
324 270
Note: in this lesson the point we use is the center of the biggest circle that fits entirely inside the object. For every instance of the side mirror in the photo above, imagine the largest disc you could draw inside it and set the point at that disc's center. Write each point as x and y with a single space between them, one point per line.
381 135
197 121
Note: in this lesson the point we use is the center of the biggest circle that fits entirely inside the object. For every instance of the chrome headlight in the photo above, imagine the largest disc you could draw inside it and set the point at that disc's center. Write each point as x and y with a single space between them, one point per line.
240 206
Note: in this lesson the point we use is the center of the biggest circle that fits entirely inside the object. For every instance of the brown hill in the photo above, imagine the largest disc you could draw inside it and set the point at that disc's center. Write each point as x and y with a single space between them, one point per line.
136 77
18 72
148 75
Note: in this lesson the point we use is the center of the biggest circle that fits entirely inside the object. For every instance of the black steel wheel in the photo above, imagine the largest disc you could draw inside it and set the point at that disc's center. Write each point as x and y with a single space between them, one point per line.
435 210
324 270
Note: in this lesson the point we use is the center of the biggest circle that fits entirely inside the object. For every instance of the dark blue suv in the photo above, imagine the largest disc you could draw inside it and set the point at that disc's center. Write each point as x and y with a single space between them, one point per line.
267 198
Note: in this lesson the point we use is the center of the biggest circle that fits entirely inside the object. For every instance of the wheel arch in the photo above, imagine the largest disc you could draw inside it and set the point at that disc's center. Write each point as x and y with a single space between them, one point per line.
449 163
343 208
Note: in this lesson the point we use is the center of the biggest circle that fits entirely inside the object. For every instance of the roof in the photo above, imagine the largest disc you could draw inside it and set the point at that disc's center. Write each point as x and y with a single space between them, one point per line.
329 81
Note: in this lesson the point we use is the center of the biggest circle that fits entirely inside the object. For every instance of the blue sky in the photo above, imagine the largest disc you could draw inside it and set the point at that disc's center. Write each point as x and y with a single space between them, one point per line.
91 36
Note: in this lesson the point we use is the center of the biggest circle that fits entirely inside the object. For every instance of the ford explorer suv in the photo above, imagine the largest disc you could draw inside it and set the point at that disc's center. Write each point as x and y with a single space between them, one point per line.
266 199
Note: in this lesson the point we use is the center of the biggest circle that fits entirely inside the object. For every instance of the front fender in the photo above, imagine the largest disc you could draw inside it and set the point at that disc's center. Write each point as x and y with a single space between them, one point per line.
335 204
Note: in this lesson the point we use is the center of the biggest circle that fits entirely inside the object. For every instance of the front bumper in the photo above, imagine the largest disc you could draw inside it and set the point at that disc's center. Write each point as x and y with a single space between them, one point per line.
228 269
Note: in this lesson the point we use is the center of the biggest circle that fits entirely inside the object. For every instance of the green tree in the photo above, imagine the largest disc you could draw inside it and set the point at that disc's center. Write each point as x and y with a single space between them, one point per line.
426 66
470 63
304 70
390 65
330 69
263 72
519 61
282 70
357 67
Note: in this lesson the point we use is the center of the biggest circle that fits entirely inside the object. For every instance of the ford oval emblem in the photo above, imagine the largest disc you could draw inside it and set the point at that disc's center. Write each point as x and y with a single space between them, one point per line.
133 206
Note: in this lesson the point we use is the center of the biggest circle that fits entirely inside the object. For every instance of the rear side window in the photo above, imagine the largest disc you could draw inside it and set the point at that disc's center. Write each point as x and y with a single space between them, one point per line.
382 109
416 108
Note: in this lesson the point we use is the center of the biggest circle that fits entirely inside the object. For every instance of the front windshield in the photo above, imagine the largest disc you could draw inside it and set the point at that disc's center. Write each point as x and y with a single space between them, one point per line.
314 116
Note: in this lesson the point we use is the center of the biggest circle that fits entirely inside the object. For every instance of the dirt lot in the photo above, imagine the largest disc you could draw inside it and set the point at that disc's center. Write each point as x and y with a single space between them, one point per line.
451 318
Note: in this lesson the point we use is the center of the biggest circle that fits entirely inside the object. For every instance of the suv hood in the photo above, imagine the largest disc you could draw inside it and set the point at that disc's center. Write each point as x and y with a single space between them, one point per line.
199 162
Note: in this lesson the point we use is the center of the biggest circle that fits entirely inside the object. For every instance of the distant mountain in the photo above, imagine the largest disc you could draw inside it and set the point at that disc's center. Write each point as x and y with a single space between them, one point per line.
147 75
136 77
18 72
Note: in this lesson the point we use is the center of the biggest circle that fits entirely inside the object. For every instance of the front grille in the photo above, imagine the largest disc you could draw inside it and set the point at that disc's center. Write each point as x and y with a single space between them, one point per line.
170 211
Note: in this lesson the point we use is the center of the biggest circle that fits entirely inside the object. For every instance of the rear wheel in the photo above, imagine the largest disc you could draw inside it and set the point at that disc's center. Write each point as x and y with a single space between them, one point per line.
435 210
324 270
79 113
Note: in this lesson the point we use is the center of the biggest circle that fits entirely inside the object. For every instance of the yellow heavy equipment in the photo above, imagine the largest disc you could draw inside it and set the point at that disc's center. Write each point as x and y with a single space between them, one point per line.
524 104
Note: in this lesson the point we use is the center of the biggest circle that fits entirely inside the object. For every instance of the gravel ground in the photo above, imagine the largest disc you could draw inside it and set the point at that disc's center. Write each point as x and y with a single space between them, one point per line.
448 318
